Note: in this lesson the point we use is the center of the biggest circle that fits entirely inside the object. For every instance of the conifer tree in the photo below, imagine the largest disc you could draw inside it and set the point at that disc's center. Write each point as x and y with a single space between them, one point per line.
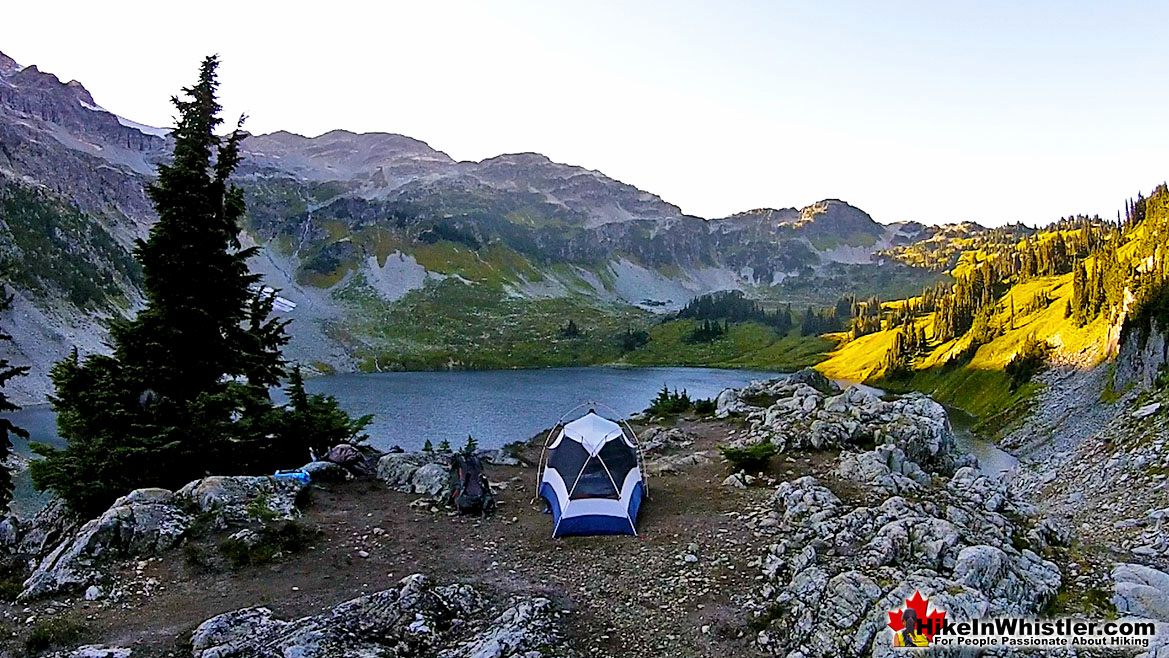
7 428
185 391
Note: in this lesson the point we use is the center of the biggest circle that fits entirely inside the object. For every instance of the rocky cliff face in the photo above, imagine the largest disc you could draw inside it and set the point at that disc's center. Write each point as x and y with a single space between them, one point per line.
1142 357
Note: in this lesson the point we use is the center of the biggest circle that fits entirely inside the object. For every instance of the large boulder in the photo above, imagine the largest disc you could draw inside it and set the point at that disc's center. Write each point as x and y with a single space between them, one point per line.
415 472
40 534
234 500
147 522
415 618
1141 591
815 379
430 480
884 468
143 522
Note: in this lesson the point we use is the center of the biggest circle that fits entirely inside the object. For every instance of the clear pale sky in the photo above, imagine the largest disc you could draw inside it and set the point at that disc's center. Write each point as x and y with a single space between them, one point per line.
933 111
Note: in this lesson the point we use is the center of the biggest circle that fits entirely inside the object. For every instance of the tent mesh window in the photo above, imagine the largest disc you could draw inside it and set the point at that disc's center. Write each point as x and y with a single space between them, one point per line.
594 483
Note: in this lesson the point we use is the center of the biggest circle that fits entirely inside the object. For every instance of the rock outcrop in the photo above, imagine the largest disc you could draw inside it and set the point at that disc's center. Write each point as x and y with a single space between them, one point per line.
884 468
802 411
1141 591
416 618
422 473
143 522
147 522
241 499
837 568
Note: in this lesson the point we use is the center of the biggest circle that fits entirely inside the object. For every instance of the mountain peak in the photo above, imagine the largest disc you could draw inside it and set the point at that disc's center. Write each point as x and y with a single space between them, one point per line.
526 157
8 65
777 215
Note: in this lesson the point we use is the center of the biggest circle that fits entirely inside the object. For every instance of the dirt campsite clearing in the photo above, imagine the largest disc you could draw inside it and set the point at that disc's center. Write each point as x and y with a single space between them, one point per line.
669 591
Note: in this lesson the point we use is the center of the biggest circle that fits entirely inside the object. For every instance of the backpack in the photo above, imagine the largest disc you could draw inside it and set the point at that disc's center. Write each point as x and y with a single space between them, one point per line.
470 489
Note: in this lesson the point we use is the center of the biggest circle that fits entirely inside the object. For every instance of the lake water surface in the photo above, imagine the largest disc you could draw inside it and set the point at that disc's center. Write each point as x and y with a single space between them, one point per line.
502 406
496 407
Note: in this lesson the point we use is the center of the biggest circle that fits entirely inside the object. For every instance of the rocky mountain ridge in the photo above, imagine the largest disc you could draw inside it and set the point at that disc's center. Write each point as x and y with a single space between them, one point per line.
372 215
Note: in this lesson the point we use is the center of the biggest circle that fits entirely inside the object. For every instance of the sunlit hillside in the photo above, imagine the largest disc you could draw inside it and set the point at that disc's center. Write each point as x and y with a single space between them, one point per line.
1018 299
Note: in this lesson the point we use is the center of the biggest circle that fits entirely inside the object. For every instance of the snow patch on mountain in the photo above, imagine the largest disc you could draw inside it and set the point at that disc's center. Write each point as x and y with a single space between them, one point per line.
143 128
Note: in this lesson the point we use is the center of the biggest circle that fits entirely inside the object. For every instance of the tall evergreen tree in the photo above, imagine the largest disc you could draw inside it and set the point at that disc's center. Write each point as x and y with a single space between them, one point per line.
7 428
185 392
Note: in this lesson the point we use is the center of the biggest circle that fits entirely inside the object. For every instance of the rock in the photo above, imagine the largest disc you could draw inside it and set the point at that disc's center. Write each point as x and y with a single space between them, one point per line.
141 523
431 480
1141 591
397 469
729 403
46 529
838 567
675 464
500 457
975 487
242 499
736 480
815 379
1147 410
1012 584
414 618
657 439
524 629
326 472
93 593
884 468
809 411
93 651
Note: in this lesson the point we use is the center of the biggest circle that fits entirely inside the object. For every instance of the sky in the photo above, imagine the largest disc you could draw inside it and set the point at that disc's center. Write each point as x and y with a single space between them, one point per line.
929 111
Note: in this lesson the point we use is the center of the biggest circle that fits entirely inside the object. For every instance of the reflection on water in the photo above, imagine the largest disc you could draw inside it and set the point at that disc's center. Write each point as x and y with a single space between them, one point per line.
991 458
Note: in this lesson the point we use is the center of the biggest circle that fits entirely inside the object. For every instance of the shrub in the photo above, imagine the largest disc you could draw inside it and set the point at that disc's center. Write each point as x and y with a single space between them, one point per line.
670 402
754 458
1030 358
273 540
55 632
632 340
705 407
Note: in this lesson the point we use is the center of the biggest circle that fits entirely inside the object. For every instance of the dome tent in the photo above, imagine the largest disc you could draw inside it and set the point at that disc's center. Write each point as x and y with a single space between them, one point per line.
591 477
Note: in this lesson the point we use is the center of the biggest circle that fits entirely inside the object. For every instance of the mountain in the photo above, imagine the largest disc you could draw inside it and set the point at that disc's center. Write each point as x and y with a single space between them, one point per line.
361 231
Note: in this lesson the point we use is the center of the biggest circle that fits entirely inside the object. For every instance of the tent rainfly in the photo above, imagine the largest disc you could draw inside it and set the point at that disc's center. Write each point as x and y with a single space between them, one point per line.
591 477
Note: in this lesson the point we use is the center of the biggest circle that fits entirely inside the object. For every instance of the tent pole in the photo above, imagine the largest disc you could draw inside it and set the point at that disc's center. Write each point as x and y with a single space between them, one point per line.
540 464
636 443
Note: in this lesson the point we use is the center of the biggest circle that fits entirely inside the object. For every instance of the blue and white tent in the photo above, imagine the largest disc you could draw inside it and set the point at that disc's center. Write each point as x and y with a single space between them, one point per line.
591 477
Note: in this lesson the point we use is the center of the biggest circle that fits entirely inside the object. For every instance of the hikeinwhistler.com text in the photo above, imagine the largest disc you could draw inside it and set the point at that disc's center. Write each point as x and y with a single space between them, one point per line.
1029 632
